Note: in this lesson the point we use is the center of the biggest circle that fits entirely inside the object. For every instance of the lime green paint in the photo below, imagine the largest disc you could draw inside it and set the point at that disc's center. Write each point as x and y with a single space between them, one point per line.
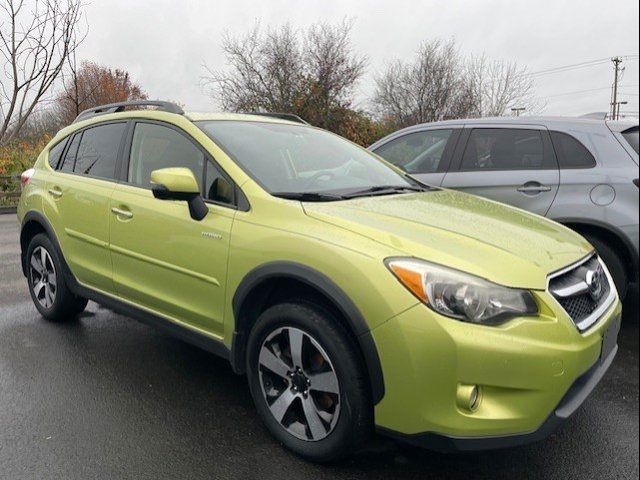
152 254
178 180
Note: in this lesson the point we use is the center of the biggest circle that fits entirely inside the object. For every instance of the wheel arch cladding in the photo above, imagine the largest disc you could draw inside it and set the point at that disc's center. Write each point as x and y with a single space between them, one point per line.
34 223
610 235
259 290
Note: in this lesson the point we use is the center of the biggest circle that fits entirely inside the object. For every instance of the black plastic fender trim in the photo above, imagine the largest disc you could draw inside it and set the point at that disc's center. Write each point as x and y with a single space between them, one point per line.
322 283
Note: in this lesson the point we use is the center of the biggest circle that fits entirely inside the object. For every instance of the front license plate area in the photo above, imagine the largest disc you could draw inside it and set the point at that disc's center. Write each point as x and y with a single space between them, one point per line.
610 338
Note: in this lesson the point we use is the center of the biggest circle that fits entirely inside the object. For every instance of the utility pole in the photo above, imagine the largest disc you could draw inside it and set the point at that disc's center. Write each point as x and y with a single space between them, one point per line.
516 110
615 107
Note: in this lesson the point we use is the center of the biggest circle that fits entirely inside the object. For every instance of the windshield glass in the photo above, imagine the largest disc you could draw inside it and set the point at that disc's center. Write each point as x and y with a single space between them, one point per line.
297 159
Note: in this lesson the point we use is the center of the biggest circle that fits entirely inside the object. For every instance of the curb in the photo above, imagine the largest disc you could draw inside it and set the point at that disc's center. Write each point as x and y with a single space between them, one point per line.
8 210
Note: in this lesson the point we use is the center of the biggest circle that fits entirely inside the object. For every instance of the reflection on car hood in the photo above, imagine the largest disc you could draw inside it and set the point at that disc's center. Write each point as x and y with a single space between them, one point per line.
491 240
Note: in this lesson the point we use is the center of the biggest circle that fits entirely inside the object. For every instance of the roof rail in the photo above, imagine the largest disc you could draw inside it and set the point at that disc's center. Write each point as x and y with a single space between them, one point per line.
282 116
120 106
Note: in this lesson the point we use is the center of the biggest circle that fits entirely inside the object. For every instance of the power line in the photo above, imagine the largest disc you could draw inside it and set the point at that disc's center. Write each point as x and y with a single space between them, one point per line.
570 67
591 90
577 66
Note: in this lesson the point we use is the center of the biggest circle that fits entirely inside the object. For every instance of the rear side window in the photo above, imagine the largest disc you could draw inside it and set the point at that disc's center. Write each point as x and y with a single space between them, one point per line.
418 152
631 136
155 146
505 149
56 153
69 159
98 150
571 152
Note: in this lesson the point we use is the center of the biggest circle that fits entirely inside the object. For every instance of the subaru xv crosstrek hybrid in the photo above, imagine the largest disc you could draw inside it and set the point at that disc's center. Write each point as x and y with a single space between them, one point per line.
353 297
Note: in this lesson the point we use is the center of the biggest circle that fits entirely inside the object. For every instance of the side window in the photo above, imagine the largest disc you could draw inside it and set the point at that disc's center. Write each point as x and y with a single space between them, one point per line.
98 150
217 187
504 149
69 159
571 153
55 153
156 146
418 152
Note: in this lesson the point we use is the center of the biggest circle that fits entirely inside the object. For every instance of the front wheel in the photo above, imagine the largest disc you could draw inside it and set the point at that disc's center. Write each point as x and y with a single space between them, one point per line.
614 263
307 381
49 292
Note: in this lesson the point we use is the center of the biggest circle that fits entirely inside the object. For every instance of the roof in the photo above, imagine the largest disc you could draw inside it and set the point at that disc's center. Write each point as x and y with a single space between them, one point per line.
545 121
523 120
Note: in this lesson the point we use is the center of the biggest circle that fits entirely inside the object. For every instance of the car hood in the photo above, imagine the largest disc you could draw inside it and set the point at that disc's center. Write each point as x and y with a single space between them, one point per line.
488 239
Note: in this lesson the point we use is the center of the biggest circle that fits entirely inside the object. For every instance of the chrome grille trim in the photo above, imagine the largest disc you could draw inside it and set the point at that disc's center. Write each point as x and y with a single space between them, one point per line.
570 289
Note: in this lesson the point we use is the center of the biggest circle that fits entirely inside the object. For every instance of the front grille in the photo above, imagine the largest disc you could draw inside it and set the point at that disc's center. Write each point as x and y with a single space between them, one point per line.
582 291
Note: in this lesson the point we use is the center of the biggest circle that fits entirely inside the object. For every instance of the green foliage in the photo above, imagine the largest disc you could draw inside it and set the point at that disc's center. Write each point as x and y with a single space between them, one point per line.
16 157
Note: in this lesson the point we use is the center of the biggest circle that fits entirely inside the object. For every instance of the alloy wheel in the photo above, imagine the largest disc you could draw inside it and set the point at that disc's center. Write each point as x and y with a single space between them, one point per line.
43 277
299 384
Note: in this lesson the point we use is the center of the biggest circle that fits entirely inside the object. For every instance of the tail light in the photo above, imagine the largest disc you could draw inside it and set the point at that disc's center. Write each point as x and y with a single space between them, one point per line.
26 177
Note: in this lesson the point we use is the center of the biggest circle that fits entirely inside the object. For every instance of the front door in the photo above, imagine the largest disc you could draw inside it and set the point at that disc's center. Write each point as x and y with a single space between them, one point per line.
163 259
515 165
425 154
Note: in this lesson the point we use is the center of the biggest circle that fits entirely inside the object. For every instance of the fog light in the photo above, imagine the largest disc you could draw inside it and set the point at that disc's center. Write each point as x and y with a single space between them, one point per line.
468 397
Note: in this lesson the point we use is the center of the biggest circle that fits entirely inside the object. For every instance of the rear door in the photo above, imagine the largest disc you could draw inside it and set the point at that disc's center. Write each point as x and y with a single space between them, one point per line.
515 165
425 154
79 192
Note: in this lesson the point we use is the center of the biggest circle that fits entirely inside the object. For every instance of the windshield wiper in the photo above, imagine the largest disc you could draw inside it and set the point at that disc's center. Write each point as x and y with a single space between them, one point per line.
386 190
309 196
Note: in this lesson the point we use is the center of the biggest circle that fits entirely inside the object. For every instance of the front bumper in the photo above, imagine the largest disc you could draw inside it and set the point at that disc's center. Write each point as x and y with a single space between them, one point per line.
533 374
573 399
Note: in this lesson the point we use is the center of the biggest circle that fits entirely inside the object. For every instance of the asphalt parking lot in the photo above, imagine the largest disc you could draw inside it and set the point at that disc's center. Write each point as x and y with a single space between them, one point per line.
107 397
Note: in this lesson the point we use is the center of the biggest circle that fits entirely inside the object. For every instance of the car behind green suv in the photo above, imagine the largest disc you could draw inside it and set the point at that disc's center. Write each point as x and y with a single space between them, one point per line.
351 295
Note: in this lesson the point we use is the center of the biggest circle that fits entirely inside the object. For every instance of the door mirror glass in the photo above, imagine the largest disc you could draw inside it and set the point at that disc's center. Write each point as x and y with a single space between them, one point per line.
179 184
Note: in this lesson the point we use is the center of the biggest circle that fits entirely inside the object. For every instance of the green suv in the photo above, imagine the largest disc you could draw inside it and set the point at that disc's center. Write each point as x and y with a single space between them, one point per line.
352 296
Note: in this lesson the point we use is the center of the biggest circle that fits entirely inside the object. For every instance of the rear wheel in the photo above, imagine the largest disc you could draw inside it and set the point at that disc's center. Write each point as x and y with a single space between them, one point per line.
49 292
307 381
614 263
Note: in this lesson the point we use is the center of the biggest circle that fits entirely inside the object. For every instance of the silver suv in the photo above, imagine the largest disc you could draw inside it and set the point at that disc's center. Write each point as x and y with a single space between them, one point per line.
581 173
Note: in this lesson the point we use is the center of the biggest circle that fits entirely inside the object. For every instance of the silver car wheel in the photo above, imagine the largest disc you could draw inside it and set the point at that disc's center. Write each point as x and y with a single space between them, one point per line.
299 384
43 277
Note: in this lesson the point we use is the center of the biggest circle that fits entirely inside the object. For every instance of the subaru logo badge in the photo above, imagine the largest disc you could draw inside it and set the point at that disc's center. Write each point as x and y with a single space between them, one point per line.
594 280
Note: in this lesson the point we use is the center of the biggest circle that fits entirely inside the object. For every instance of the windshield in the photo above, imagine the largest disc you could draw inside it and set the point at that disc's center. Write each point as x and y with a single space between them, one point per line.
298 160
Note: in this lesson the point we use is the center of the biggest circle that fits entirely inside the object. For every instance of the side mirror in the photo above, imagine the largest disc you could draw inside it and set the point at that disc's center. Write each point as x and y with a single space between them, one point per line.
179 184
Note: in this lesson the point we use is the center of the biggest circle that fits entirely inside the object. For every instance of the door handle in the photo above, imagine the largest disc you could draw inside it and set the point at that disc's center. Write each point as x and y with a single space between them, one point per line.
533 188
122 213
54 192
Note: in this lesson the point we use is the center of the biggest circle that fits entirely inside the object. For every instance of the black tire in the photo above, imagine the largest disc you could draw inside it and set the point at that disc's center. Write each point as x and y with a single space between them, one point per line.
354 421
65 305
614 263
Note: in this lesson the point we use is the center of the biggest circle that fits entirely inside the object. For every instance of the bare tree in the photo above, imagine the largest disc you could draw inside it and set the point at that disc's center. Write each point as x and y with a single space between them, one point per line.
331 73
424 90
310 73
440 84
36 38
264 71
498 86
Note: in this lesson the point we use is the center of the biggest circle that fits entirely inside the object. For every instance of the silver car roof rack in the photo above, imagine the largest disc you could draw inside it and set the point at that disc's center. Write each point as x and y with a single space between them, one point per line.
120 106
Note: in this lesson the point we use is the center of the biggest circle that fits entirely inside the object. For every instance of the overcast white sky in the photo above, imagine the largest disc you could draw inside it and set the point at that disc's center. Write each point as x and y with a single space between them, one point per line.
163 43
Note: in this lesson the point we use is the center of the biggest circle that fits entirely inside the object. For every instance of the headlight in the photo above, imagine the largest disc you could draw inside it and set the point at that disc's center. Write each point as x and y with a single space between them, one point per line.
460 295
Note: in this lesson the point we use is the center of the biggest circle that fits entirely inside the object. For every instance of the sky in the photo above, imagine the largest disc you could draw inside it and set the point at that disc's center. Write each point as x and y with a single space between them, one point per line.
164 44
